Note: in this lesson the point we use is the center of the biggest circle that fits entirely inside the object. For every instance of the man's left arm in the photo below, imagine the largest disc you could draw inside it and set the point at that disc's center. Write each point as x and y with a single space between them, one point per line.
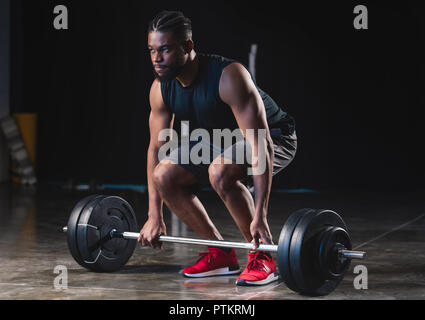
239 91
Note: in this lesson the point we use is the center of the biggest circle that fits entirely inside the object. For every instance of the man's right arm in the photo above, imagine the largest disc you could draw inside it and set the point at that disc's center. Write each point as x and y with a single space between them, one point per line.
159 119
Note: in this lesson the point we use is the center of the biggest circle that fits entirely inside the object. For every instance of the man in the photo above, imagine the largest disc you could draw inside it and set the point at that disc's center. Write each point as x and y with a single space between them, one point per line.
212 92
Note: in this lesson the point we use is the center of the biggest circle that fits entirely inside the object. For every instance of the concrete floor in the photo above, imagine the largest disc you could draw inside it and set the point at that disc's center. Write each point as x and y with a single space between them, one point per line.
388 225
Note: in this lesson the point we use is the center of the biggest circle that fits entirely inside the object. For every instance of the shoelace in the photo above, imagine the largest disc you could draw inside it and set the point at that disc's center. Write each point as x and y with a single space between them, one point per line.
254 264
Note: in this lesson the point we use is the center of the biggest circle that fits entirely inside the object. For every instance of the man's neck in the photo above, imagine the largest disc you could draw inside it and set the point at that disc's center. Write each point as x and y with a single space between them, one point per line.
190 71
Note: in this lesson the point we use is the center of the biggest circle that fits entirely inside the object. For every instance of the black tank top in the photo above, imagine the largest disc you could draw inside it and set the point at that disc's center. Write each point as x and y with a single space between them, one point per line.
201 105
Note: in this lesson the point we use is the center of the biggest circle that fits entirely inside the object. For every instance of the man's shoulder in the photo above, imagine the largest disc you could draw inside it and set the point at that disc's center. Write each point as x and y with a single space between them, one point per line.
155 95
214 65
215 58
156 86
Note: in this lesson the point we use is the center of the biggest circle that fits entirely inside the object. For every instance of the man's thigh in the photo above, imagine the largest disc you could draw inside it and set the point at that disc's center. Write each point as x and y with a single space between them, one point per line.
284 146
198 169
239 153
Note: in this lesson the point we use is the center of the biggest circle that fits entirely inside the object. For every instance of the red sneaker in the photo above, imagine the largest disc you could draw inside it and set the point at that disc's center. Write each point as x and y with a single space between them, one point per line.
260 270
215 262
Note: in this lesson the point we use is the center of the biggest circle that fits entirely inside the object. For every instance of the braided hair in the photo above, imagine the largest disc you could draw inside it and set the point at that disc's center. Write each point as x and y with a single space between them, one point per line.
172 21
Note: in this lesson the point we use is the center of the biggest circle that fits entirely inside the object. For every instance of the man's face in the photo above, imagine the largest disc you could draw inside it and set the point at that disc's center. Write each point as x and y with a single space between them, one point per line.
167 55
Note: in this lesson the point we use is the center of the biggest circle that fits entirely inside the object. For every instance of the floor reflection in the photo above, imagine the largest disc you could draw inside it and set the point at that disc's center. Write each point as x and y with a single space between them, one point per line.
19 220
31 246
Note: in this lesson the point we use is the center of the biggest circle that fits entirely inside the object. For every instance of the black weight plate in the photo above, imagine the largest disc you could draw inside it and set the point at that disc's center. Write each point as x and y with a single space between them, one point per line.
98 251
332 239
284 245
71 233
303 253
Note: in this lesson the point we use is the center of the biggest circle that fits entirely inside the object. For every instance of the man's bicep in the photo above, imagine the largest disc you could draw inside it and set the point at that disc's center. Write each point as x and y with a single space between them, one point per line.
160 116
239 91
236 87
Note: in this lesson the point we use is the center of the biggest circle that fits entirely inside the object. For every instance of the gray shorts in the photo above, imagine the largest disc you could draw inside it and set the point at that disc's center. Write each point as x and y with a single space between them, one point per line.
285 147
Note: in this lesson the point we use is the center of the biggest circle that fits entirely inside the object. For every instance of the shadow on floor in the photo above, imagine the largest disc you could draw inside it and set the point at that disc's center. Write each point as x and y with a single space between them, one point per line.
153 268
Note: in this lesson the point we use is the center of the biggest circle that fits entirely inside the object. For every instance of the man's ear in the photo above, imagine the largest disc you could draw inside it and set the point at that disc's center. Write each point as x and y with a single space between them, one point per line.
188 46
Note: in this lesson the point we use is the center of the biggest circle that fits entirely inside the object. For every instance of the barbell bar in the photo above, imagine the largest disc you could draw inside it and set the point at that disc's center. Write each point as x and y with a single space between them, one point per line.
348 254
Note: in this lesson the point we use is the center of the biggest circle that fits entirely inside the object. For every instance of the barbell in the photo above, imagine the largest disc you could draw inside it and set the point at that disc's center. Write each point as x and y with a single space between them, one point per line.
313 253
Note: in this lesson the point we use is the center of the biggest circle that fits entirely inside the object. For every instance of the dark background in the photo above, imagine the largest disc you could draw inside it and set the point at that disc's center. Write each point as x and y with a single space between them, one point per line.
357 95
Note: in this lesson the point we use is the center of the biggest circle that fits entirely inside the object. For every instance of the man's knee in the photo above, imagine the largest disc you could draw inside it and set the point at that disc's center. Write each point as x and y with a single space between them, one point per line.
162 176
223 177
168 175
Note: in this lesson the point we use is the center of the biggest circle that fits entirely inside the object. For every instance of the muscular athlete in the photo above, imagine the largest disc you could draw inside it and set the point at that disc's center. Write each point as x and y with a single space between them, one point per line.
212 92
